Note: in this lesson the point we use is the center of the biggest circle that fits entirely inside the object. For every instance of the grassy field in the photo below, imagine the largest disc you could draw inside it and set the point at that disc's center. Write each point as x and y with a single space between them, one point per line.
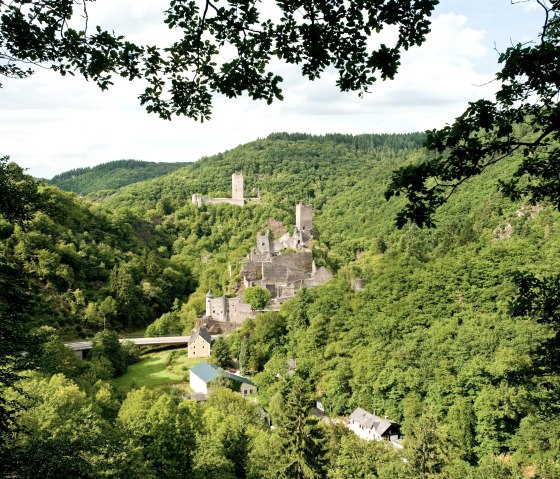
156 369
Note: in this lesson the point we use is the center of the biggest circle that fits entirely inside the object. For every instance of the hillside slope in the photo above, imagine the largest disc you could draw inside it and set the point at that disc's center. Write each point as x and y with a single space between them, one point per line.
453 336
103 180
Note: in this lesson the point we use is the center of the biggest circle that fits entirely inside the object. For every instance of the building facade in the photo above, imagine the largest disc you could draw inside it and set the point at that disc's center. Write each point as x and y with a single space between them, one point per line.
199 345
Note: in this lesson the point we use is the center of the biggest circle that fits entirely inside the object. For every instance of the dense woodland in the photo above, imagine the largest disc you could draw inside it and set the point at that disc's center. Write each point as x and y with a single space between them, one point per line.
103 180
455 335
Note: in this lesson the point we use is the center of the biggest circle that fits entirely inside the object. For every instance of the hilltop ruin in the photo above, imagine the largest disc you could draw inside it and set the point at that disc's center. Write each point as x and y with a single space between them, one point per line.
283 266
237 194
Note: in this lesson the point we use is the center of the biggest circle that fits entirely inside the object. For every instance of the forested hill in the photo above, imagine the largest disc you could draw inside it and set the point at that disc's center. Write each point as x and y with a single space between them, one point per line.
455 335
105 179
340 175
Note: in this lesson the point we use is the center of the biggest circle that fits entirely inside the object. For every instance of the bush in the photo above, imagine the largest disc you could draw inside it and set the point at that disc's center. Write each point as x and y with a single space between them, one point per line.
256 297
166 325
106 345
131 352
171 357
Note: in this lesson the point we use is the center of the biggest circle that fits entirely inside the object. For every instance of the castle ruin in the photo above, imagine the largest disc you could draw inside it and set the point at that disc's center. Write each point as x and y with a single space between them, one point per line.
283 266
237 190
237 194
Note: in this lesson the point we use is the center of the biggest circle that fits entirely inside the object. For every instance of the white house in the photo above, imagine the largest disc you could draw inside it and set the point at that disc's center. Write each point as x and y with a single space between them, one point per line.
369 426
204 373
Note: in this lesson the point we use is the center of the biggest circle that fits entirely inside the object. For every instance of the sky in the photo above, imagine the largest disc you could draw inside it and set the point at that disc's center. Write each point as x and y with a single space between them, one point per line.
50 124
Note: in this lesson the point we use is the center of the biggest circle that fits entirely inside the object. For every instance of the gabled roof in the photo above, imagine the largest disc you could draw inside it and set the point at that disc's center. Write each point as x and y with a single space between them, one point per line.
208 372
362 417
371 421
240 379
203 333
199 397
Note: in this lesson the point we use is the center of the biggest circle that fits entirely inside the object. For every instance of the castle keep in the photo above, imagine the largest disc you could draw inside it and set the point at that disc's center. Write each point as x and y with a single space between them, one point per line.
283 266
237 194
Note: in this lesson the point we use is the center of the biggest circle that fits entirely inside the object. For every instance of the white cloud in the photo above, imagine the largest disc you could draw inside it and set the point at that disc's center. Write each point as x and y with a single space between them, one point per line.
51 124
529 5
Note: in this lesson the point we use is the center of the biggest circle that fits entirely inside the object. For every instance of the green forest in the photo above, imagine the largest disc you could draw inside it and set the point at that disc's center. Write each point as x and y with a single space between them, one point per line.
455 335
103 180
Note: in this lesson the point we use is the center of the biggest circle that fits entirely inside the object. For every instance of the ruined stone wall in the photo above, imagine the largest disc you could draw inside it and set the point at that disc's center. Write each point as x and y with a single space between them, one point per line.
295 274
285 241
287 291
286 268
252 270
264 243
272 288
281 269
322 275
274 273
238 311
228 310
302 260
204 200
218 201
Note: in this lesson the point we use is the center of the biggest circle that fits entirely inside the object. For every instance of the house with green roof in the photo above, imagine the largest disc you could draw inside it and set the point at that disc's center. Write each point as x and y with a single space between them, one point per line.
204 373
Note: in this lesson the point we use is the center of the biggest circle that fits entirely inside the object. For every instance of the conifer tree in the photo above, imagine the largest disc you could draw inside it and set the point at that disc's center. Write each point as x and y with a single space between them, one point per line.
221 352
302 440
426 448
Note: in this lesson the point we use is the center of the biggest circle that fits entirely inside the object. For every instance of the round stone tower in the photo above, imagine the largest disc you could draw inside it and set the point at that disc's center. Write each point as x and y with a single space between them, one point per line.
209 298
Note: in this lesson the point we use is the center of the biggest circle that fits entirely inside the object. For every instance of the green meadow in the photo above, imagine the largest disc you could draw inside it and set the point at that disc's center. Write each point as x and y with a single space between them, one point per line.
158 369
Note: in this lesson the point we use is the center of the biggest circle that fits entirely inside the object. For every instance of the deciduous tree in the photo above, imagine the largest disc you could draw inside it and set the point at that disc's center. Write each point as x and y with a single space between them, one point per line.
523 118
182 77
256 297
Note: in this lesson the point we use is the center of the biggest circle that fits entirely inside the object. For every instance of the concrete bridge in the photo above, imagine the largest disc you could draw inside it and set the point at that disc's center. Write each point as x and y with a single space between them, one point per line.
80 346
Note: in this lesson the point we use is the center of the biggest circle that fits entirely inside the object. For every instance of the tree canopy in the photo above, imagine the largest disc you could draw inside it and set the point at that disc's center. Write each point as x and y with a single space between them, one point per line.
182 77
257 297
524 117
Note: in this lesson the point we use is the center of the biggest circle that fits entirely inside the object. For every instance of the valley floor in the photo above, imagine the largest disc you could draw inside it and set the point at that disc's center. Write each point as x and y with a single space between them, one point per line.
159 369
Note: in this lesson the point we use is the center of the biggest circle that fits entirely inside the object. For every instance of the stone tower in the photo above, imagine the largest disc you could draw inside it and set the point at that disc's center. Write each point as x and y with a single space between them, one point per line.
209 298
264 243
304 218
237 192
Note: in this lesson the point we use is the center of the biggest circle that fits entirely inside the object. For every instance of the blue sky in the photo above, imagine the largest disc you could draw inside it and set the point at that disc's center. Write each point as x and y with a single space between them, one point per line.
51 124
